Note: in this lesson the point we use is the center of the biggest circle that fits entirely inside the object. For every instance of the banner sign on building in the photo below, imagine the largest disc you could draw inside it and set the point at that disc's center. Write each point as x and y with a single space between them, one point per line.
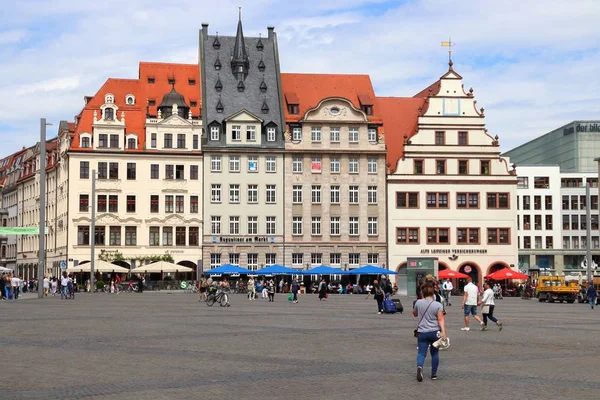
21 230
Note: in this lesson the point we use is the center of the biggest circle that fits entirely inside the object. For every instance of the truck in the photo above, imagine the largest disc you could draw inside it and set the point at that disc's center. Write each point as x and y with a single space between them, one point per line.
554 288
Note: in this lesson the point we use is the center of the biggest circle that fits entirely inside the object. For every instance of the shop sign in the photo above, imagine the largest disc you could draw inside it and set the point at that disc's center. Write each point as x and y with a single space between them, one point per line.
453 251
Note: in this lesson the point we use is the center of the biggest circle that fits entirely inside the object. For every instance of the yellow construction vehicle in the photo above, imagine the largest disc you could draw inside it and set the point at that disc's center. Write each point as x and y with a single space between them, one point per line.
554 288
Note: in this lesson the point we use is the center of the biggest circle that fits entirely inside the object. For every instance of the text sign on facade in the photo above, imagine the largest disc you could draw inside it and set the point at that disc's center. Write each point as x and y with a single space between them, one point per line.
453 251
588 127
21 230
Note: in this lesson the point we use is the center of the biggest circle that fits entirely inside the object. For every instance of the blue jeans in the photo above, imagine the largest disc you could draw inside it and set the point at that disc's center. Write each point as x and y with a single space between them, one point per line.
425 340
592 301
63 292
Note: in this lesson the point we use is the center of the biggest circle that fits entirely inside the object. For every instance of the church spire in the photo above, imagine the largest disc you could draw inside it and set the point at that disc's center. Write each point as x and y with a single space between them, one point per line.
239 60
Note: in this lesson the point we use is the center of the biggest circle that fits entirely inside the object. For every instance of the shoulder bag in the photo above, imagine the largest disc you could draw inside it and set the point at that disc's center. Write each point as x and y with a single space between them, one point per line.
416 331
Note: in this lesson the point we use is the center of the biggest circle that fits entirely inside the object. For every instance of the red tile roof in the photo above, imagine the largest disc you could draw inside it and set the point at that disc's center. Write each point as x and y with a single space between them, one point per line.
432 89
187 82
162 72
400 118
310 89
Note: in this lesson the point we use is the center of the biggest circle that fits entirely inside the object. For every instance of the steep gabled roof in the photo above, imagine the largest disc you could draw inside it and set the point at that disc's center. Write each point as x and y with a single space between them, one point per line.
432 89
309 89
400 118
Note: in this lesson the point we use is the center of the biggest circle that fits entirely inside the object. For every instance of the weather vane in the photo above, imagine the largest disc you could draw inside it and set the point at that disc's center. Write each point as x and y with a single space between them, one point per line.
449 45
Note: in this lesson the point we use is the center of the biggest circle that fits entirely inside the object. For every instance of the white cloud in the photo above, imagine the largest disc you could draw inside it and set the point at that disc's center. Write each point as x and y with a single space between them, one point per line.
533 64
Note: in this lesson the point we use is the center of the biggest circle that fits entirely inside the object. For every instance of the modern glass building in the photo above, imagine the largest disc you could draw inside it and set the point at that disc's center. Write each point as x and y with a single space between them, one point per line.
572 147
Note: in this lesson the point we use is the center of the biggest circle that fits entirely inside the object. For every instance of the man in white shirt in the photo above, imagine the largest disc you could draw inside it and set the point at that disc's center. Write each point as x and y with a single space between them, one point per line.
46 285
14 283
447 287
469 303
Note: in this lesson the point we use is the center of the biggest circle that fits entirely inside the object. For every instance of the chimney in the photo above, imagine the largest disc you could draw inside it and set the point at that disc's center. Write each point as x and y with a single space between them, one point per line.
270 29
205 29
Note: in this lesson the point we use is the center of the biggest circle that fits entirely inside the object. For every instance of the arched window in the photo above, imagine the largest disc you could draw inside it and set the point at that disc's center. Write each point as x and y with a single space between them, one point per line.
109 98
109 114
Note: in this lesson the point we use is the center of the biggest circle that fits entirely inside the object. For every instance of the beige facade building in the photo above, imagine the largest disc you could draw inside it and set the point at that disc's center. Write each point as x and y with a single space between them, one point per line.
148 180
334 177
451 196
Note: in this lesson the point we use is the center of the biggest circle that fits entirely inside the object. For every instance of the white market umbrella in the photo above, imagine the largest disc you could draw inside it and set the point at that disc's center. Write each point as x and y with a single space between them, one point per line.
3 269
99 266
161 266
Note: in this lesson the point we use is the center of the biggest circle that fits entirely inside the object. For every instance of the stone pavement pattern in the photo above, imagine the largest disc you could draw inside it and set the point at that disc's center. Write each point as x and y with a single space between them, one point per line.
167 346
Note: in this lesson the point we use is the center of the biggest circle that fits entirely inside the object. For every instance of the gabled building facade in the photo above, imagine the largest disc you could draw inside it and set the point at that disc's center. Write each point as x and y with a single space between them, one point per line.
334 172
451 195
243 148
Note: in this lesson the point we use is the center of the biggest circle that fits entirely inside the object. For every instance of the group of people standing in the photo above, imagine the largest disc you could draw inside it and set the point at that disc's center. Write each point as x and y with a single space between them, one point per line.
11 286
431 326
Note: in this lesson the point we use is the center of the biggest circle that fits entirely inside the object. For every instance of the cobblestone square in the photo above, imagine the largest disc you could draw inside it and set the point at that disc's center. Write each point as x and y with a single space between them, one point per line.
160 345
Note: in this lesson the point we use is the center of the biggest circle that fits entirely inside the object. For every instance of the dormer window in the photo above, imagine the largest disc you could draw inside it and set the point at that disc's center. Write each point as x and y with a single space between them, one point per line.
109 114
85 142
130 99
366 103
131 141
191 82
151 80
193 103
109 98
263 85
171 81
218 63
152 103
292 103
261 65
241 86
214 133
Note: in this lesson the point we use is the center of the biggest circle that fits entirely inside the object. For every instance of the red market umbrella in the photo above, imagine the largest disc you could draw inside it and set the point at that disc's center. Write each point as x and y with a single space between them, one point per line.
506 273
449 274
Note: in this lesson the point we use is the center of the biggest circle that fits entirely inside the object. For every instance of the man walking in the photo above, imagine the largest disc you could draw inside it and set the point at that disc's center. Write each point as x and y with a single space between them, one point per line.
591 295
14 283
447 288
469 303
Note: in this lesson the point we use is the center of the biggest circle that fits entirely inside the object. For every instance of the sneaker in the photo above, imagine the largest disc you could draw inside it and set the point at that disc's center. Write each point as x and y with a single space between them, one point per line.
420 374
466 329
379 312
499 326
484 328
433 377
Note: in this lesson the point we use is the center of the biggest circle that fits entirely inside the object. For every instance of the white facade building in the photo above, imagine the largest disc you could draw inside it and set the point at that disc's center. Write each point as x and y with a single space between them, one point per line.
552 218
451 196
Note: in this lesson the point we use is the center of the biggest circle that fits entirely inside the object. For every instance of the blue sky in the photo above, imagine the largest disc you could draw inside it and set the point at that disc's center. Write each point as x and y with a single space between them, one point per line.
533 65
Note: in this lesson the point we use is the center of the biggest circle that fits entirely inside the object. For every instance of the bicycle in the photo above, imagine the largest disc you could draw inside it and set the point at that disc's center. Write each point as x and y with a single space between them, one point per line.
217 296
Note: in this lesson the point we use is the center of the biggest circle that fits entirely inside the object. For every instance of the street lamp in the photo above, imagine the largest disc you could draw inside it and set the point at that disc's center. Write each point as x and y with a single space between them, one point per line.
42 233
93 233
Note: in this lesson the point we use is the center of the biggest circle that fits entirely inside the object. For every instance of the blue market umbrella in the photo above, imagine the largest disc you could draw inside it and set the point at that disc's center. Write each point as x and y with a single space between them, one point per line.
277 270
325 270
228 269
372 270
